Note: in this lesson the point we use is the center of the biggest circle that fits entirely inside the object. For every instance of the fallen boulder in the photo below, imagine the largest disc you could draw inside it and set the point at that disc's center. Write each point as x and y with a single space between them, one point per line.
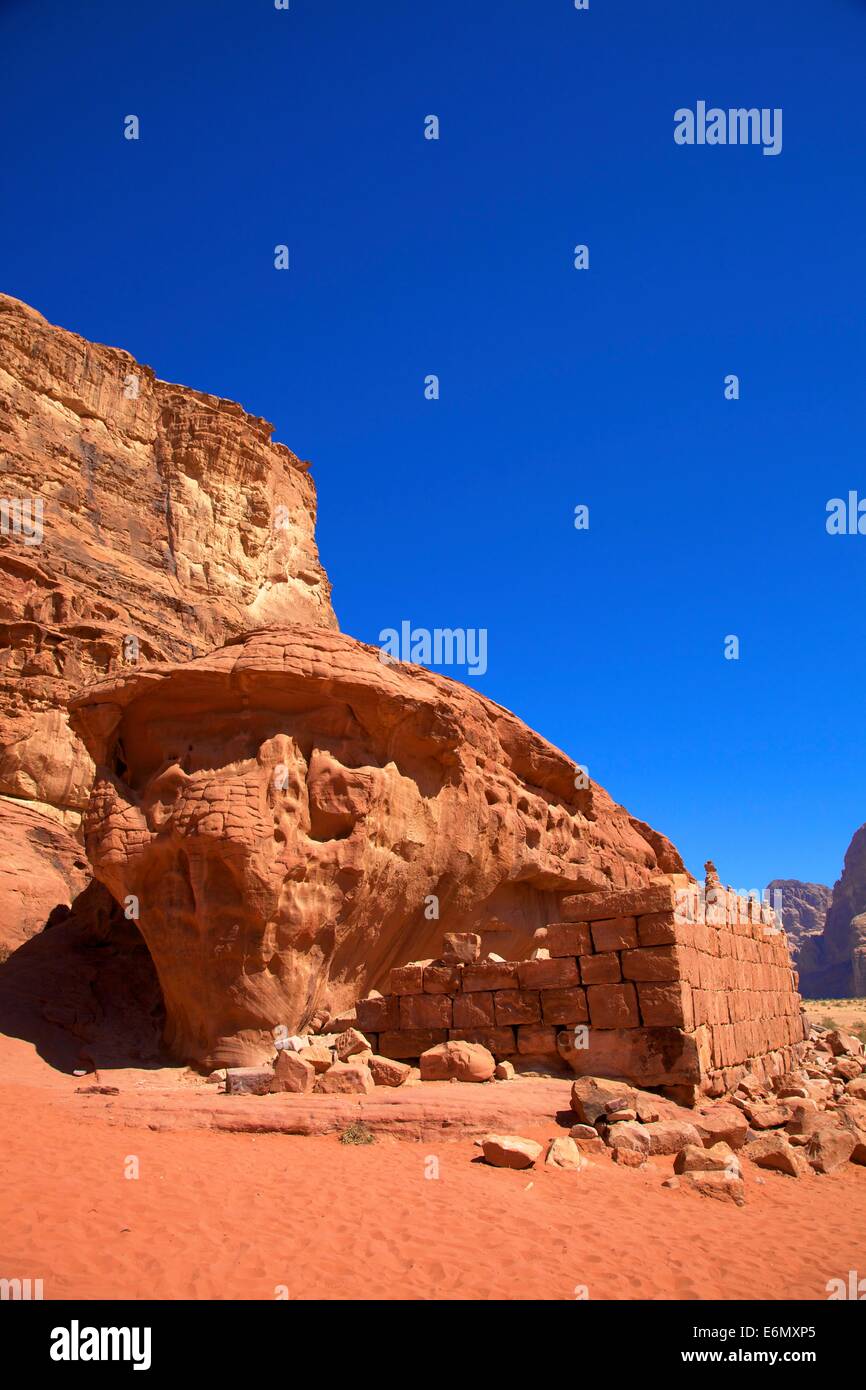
386 1071
669 1136
346 1078
510 1151
564 1153
722 1123
590 1096
248 1081
349 1043
718 1159
460 1061
829 1148
292 1073
717 1185
774 1150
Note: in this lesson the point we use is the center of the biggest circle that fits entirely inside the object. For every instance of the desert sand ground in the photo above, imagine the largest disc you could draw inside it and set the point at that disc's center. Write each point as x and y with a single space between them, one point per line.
848 1014
227 1215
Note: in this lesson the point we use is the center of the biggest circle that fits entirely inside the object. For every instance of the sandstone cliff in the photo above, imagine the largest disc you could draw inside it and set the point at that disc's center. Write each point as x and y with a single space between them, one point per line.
833 964
139 521
804 909
292 817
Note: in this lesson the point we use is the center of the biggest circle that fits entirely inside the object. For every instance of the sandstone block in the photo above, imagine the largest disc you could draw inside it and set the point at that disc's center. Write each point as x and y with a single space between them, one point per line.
722 1124
378 1013
669 1136
828 1149
774 1150
474 1010
556 973
510 1151
410 1042
568 938
603 969
665 1005
559 1006
591 1095
594 907
462 946
516 1006
440 978
500 1041
533 1041
630 1136
350 1043
462 1061
425 1011
387 1071
346 1078
666 1057
613 1006
248 1081
651 963
718 1158
717 1185
614 934
657 929
564 1153
490 975
292 1073
407 979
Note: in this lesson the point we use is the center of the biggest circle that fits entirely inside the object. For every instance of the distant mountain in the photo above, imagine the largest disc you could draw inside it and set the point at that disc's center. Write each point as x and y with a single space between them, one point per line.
828 930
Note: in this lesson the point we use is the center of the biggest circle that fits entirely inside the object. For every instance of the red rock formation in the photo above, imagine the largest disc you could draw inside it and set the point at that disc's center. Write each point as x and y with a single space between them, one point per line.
161 521
292 813
804 908
833 965
41 872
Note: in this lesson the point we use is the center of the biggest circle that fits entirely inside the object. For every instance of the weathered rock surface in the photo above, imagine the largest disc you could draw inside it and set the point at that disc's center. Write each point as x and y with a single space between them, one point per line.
168 517
84 991
458 1061
564 1153
346 1078
42 870
774 1150
292 1073
804 908
284 807
832 965
510 1151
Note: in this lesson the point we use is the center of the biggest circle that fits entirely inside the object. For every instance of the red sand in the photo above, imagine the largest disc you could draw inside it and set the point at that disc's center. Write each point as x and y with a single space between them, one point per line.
219 1215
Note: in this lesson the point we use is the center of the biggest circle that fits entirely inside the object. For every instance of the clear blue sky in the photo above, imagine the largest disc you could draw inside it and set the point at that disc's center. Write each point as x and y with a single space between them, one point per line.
558 387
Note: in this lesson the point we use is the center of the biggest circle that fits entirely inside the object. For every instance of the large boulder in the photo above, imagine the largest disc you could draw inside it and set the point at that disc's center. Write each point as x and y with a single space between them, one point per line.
592 1097
772 1149
457 1061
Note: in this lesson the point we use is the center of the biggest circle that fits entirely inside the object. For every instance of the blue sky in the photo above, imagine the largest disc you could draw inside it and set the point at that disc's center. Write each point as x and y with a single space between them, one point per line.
558 387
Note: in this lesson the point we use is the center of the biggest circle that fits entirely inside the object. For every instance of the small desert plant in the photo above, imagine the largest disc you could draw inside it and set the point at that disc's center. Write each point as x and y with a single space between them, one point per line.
357 1133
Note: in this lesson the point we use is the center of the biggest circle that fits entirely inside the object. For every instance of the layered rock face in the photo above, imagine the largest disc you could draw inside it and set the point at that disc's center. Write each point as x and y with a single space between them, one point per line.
42 870
833 965
294 817
142 521
804 908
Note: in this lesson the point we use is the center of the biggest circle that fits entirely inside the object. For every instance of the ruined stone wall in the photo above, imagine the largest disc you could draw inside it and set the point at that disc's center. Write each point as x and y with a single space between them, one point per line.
673 988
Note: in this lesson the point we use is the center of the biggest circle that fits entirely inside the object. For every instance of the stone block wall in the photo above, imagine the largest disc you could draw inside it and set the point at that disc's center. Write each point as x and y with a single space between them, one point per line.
666 986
